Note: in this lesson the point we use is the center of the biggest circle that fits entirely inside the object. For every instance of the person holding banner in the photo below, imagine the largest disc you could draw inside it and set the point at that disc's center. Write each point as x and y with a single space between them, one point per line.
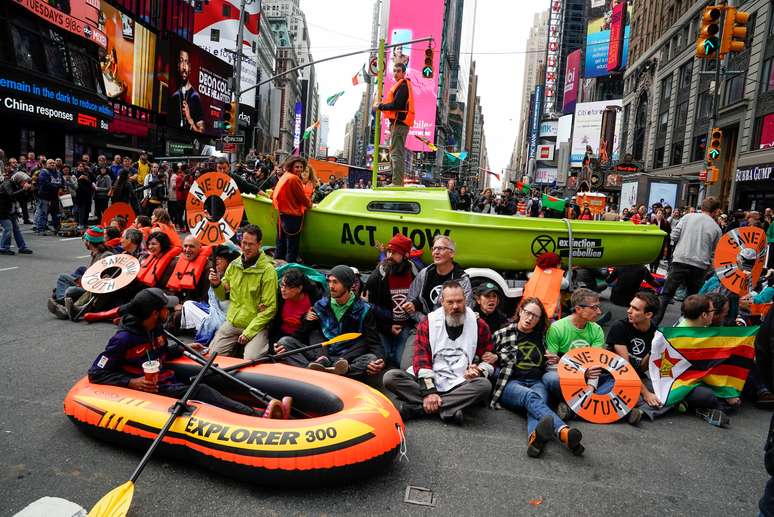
398 107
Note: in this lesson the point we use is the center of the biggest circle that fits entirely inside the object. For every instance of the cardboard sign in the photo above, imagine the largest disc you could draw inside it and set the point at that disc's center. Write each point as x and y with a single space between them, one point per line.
110 274
739 258
207 192
122 209
599 408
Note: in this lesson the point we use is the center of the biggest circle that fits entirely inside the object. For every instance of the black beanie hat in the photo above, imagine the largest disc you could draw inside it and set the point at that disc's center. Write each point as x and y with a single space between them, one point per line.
344 274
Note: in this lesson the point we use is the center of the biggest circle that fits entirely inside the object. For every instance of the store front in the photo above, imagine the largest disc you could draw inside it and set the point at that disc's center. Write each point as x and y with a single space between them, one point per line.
755 187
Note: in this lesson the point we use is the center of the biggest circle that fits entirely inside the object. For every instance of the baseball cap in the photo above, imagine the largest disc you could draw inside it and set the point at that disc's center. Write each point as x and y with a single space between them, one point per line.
486 288
149 300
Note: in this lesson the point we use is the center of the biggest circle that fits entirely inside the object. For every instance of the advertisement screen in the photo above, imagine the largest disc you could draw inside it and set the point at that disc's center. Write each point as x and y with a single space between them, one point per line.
591 135
193 86
571 77
601 21
767 132
215 30
664 193
410 20
127 62
79 17
628 195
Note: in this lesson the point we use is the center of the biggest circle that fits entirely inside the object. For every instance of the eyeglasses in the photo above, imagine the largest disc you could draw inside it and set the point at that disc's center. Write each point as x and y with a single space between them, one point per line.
528 314
442 248
595 307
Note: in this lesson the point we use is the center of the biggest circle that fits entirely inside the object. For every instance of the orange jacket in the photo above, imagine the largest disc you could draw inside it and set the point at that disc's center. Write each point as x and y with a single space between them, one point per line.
174 238
187 273
394 115
153 269
289 196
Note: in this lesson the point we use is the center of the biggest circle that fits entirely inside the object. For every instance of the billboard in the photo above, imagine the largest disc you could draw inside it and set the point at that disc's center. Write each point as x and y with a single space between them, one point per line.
664 193
598 37
79 17
767 132
128 61
595 131
534 122
571 77
553 55
548 128
411 20
628 195
216 26
193 86
545 175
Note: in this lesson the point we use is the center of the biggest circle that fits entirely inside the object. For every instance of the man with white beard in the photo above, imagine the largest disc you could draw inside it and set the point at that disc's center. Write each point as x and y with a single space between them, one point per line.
452 362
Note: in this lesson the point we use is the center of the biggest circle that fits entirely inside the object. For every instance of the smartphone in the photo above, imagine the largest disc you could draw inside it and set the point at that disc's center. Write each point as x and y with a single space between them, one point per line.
400 54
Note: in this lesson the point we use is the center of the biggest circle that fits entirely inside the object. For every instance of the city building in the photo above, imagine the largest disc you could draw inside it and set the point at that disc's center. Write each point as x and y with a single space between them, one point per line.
289 89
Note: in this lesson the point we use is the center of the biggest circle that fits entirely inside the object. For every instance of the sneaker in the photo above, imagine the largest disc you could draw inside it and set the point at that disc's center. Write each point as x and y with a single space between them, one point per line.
287 405
564 412
340 367
409 411
7 252
540 436
70 307
571 438
25 251
316 366
635 415
58 310
714 417
458 418
273 410
51 305
765 400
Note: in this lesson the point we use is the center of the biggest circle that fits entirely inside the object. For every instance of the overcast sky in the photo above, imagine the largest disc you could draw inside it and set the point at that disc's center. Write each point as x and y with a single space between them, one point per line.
501 30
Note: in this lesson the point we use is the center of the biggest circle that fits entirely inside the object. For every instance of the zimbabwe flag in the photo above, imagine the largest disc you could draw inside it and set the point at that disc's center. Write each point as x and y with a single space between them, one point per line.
682 358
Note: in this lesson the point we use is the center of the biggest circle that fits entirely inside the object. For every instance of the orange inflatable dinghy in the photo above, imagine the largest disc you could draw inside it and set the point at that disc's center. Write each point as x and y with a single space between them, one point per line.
354 430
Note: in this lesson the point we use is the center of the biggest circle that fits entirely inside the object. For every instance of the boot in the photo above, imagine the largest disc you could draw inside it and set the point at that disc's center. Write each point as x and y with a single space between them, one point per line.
93 317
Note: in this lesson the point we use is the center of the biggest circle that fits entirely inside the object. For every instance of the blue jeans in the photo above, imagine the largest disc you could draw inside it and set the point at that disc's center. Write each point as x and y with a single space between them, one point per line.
41 215
393 345
529 394
551 381
288 237
11 226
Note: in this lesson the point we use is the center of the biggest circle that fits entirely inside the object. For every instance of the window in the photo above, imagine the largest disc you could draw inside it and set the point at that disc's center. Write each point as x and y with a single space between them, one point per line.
56 54
663 108
699 148
640 124
401 207
658 158
214 34
27 48
704 102
625 129
686 75
676 156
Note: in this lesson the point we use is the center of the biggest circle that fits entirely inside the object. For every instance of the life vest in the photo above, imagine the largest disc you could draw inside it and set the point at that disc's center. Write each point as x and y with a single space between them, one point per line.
546 285
391 115
170 232
153 267
187 273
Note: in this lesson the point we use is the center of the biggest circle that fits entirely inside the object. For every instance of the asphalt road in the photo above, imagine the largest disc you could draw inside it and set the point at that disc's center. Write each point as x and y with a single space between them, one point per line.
678 465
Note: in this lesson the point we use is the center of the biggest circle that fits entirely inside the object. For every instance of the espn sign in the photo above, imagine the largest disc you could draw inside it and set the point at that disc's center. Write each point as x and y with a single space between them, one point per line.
553 57
87 120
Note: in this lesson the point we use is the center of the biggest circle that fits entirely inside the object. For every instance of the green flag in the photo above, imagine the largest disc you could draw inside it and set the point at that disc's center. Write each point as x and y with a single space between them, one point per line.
522 187
553 203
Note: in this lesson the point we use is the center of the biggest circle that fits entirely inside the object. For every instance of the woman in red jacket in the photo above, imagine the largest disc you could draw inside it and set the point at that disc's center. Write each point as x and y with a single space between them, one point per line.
291 202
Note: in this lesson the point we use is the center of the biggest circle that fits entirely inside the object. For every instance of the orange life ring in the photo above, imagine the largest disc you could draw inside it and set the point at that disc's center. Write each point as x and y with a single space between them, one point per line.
727 258
205 226
120 208
595 407
358 432
110 274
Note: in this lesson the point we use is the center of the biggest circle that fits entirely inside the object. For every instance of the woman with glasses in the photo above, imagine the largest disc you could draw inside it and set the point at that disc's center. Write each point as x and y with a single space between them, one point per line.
297 295
520 348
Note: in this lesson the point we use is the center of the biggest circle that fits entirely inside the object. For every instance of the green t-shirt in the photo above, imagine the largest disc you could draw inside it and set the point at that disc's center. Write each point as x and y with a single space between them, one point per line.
563 336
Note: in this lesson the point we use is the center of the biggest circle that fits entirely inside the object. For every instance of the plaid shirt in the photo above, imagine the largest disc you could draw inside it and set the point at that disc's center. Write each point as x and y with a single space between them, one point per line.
506 342
423 355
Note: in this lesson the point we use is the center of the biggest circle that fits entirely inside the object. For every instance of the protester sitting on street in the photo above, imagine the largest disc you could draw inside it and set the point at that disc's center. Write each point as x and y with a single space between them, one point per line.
520 349
140 338
291 202
386 290
131 243
577 330
144 224
113 239
487 306
160 220
157 267
189 280
696 236
13 190
207 316
631 338
296 296
449 371
250 282
68 288
339 313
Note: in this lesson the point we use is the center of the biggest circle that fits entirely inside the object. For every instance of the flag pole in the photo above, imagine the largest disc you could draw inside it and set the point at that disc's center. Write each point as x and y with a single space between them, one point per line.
377 114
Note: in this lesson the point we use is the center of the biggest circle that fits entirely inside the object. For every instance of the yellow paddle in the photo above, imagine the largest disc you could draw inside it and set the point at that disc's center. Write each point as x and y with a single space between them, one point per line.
116 502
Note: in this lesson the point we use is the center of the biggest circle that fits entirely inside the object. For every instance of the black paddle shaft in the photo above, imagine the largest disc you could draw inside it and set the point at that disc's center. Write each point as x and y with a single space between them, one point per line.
272 358
177 410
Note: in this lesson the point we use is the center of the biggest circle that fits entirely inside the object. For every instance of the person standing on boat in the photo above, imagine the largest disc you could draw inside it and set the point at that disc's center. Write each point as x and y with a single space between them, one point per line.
140 338
449 372
387 289
291 201
398 108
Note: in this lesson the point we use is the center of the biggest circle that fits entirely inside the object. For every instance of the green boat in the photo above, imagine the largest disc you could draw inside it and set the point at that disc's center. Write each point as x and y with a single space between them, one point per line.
349 225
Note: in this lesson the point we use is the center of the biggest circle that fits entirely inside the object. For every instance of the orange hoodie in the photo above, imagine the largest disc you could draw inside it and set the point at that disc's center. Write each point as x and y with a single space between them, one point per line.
289 196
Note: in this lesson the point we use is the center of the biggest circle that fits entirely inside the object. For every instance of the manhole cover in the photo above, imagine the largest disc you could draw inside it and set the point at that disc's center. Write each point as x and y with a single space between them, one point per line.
419 495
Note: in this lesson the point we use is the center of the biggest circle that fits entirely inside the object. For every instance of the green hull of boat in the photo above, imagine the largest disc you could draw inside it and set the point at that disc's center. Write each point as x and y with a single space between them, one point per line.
349 225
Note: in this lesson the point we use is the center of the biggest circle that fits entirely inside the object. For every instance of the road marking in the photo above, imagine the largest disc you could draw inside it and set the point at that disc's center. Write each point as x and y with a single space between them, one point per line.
69 239
8 268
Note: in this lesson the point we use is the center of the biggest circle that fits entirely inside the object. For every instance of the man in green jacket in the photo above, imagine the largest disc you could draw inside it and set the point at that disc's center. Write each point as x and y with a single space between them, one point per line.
251 284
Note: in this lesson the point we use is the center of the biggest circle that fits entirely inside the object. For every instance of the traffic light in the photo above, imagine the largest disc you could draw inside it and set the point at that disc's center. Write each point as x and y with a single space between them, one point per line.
229 118
427 70
709 175
708 42
734 31
713 145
